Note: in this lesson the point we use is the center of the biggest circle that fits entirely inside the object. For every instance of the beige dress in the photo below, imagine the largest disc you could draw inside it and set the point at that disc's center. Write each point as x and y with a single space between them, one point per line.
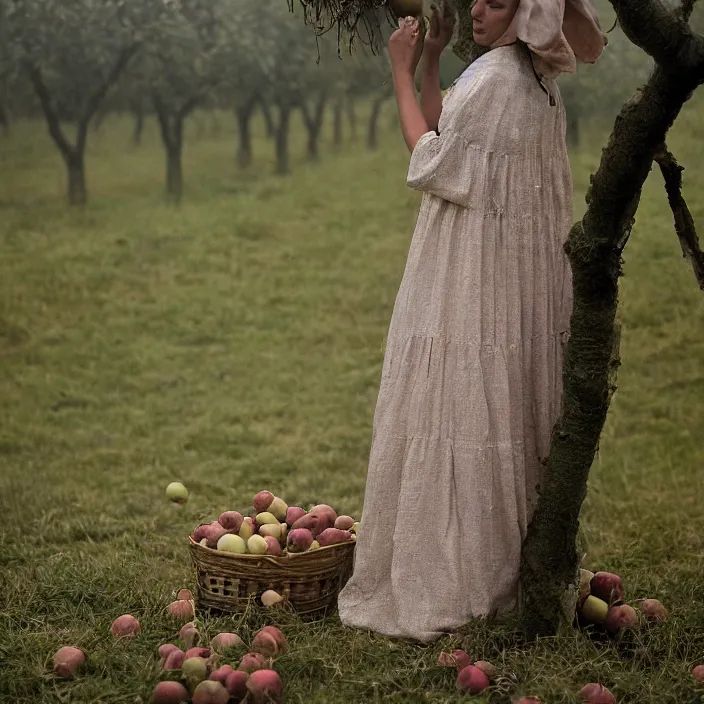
471 382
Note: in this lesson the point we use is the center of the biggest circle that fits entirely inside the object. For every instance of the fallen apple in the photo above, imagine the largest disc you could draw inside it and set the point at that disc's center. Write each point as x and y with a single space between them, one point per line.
653 610
621 616
236 684
223 642
68 660
164 651
270 598
220 675
698 673
607 586
269 642
594 610
265 686
181 610
170 693
232 543
210 692
125 626
189 635
195 670
593 693
487 668
174 660
251 662
184 594
472 680
177 493
585 578
198 653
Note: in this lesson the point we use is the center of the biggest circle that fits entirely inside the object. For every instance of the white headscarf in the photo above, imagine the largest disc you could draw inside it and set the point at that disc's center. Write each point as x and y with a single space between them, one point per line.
558 32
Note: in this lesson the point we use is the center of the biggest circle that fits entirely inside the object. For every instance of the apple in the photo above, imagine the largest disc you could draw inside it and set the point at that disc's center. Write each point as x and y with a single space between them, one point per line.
231 520
299 540
68 660
279 508
251 662
273 546
165 649
293 514
189 635
195 670
698 673
213 533
266 517
344 522
200 532
177 493
174 660
257 545
472 680
487 668
621 616
333 536
262 501
270 597
272 529
169 693
606 586
125 626
314 545
457 658
236 684
184 594
232 543
594 610
246 530
653 610
210 692
181 610
269 642
198 653
326 510
226 641
596 694
265 686
585 578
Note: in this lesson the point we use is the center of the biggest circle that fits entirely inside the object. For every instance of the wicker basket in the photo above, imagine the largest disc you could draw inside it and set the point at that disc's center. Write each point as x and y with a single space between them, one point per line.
309 581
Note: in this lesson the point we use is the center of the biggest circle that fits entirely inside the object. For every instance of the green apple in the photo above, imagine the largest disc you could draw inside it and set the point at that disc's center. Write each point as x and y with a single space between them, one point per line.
273 529
232 543
177 493
246 530
257 545
278 507
266 517
594 609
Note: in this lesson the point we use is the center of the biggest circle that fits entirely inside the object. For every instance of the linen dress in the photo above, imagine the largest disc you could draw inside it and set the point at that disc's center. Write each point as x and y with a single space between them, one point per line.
471 381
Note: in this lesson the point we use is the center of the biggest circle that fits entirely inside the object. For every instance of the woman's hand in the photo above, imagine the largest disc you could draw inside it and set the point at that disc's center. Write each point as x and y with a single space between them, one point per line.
406 46
439 34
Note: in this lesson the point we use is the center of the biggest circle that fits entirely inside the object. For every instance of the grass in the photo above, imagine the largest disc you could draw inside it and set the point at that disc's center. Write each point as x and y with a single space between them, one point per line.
236 344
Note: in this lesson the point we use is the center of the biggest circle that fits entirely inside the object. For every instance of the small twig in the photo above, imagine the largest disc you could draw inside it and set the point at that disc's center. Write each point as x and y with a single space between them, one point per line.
684 223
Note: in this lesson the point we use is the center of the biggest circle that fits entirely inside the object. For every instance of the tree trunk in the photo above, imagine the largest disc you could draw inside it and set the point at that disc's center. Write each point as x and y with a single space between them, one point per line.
550 562
174 172
282 132
75 163
268 119
314 123
4 121
352 116
138 127
244 114
372 133
337 124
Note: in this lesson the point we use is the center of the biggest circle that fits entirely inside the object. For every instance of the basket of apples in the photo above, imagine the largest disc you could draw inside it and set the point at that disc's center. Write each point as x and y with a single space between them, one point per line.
278 553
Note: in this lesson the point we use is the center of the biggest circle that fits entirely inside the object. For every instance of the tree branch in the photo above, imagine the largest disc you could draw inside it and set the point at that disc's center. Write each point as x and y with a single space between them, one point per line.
52 118
684 223
663 34
97 98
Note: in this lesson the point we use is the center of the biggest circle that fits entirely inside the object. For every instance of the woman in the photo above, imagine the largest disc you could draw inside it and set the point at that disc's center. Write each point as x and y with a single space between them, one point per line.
472 374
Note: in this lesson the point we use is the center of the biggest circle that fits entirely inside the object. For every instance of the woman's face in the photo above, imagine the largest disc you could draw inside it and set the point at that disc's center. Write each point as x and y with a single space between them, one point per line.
491 18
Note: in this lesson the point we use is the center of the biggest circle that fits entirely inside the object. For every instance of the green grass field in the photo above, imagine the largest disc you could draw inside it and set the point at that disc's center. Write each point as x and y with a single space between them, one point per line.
236 344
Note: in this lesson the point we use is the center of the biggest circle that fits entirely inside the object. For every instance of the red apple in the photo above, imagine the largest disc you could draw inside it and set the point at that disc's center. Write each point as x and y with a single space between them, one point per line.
472 680
606 586
596 694
621 616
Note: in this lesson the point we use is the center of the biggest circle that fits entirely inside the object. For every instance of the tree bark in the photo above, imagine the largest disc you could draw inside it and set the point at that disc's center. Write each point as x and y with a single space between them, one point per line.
138 128
171 130
77 194
244 114
351 116
268 118
337 124
549 567
313 120
281 139
373 130
4 120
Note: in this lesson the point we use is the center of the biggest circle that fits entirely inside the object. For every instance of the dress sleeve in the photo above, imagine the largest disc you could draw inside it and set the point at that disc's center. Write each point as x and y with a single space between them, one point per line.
442 165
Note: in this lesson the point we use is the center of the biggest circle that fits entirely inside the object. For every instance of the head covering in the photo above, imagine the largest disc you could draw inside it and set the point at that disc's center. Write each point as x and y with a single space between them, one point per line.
558 33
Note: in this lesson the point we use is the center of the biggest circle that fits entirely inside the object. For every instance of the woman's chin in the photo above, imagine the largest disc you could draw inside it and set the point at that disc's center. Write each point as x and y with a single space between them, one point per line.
480 39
